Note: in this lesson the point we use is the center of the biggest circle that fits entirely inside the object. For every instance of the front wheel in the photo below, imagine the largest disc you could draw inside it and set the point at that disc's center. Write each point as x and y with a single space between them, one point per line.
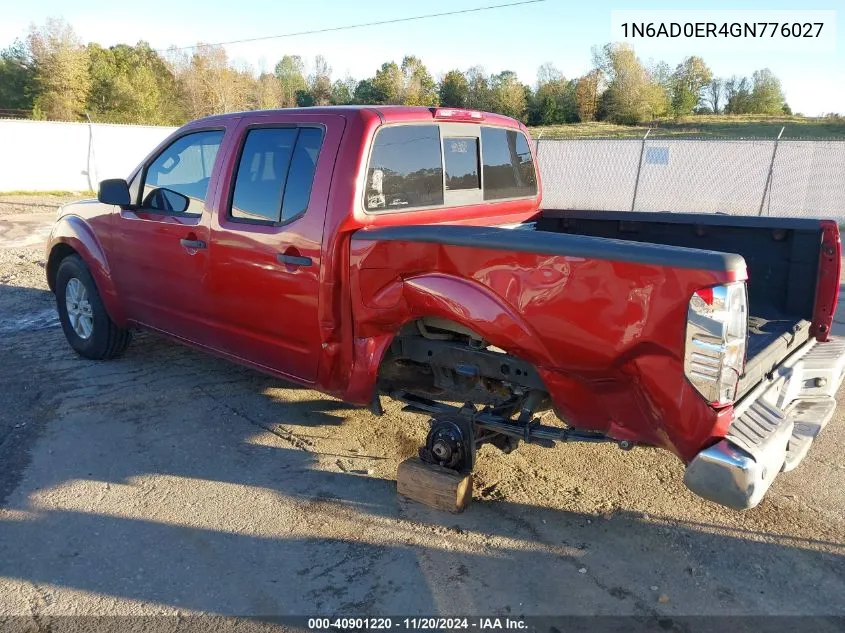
86 324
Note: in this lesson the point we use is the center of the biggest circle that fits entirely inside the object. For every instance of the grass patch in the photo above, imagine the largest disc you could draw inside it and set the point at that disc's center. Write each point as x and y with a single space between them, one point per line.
704 126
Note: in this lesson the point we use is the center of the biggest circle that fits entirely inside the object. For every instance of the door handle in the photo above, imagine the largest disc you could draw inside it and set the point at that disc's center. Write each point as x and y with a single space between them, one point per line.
293 260
192 243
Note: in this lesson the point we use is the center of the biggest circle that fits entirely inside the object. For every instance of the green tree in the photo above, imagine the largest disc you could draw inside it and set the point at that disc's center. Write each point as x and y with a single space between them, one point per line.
366 92
131 84
60 62
454 89
343 91
632 95
713 93
688 83
738 96
766 94
268 93
554 102
479 96
657 100
17 78
320 82
304 99
389 84
208 84
587 93
290 73
508 95
419 88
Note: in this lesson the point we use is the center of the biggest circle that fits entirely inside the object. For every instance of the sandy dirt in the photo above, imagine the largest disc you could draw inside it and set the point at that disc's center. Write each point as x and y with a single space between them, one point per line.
170 481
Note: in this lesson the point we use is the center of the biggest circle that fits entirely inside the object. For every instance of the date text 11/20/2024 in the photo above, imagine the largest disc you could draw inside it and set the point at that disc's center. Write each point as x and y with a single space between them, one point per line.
417 623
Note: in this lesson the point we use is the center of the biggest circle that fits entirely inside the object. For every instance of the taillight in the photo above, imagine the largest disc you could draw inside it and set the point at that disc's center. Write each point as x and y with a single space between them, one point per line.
717 327
827 285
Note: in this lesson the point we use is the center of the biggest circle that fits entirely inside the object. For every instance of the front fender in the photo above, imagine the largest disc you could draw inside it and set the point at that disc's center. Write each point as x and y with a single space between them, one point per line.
73 234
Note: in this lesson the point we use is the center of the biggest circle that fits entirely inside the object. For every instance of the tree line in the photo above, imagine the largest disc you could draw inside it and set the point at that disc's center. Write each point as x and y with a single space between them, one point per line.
51 74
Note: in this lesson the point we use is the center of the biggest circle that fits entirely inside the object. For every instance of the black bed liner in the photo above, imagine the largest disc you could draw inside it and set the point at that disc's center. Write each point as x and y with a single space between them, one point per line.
770 340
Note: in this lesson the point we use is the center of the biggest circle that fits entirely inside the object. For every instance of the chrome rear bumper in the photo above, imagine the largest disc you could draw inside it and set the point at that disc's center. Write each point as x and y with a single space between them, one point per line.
773 428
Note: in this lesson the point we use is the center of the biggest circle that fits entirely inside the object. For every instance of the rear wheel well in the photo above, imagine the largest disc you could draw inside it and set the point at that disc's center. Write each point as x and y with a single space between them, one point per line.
57 254
443 360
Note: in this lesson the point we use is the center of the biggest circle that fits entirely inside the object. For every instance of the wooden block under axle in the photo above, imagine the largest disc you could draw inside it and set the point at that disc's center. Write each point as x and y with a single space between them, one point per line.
434 485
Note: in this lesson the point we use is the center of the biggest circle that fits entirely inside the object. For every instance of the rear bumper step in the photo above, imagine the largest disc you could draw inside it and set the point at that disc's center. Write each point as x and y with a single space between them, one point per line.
773 428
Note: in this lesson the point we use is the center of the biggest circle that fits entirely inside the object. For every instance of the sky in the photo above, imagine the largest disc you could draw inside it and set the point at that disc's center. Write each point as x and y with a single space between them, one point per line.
515 38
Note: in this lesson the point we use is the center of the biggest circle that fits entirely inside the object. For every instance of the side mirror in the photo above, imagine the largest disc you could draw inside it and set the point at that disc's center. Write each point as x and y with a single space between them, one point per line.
166 200
114 191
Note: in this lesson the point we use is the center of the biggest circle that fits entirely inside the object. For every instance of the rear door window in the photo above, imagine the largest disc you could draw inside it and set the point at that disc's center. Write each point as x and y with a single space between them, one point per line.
275 174
405 169
508 169
301 173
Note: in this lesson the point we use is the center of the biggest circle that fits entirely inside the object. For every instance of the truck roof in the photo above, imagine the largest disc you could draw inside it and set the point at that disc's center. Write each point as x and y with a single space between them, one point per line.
387 113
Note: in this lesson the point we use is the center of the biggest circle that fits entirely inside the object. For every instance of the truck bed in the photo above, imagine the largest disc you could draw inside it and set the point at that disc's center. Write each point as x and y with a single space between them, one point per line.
782 255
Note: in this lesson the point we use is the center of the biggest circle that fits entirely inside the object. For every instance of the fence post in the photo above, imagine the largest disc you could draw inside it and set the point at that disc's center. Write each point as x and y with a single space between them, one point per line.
768 186
90 154
639 169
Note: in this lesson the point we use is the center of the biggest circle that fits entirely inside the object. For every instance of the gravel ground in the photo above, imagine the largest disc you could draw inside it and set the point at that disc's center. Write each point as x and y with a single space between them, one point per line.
172 482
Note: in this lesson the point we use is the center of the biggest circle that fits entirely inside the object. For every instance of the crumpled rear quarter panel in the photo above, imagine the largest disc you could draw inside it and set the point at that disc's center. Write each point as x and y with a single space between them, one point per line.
606 336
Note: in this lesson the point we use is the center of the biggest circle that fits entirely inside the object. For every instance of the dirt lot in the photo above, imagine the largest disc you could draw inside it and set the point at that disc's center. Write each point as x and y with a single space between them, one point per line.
172 481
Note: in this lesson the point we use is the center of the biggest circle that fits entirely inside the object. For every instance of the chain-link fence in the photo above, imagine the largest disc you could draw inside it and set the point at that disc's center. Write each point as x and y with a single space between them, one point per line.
737 176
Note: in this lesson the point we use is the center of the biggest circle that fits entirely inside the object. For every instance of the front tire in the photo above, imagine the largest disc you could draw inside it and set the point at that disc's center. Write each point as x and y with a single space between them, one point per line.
85 322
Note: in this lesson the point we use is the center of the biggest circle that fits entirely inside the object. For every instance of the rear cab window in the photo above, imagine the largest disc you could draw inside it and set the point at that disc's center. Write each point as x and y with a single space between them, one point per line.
405 169
508 166
422 166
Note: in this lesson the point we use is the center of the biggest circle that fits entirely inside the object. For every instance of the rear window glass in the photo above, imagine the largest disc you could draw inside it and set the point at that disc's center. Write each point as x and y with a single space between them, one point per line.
405 169
508 166
461 158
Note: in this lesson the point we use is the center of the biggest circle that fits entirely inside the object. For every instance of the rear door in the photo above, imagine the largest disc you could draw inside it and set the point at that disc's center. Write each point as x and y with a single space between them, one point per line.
162 240
266 240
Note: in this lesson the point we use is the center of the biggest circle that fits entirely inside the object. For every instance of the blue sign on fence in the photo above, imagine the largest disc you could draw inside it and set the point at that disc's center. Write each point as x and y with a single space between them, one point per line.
657 156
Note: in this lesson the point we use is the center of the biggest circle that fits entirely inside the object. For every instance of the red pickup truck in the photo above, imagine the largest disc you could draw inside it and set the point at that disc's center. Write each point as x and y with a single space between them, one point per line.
404 251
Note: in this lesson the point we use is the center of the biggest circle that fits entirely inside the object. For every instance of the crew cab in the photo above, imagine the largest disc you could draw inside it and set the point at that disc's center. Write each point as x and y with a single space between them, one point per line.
405 252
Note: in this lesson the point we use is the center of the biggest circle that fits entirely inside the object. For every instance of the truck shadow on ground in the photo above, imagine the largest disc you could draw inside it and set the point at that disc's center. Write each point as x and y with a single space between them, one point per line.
340 543
153 481
310 541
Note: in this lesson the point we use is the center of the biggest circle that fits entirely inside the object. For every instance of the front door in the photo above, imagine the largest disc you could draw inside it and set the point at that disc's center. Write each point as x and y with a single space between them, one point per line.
162 240
266 240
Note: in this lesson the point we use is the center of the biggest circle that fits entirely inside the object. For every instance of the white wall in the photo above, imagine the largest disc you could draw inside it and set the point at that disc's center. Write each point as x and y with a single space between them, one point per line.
51 155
